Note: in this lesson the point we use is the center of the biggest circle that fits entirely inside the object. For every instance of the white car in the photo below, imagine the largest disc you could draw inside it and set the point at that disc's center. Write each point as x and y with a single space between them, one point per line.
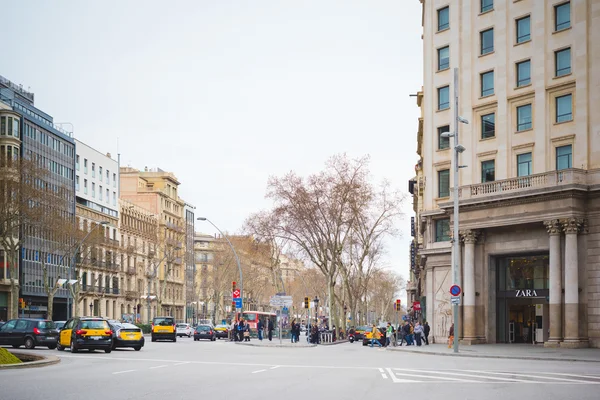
184 330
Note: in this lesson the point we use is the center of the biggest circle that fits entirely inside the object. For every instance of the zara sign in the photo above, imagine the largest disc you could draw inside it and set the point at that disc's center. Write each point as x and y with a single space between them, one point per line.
526 293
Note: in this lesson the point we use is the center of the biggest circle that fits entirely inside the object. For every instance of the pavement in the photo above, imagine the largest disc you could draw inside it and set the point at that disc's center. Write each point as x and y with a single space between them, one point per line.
188 369
506 351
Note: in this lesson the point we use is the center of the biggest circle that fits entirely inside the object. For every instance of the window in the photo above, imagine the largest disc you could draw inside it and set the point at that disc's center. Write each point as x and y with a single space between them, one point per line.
93 170
100 173
443 58
114 180
114 198
524 29
487 83
85 186
442 230
443 18
488 126
2 125
562 61
487 41
524 164
524 117
488 171
523 73
107 196
85 165
564 157
100 193
562 16
77 162
564 108
77 183
444 98
107 176
93 190
487 5
444 183
443 142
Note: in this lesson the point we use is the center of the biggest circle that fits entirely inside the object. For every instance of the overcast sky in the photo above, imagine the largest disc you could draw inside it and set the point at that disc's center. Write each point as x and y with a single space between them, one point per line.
226 93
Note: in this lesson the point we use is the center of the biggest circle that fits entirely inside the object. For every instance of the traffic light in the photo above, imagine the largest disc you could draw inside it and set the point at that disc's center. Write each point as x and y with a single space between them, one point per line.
233 286
398 308
306 302
22 303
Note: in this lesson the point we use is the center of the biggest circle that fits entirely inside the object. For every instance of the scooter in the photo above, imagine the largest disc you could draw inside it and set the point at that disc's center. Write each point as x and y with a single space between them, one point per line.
351 337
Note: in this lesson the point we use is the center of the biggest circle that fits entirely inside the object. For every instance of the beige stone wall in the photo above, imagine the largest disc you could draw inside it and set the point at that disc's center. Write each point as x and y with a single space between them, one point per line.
593 279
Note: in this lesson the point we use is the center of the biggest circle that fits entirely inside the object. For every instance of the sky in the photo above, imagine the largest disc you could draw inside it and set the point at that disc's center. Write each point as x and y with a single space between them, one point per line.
226 93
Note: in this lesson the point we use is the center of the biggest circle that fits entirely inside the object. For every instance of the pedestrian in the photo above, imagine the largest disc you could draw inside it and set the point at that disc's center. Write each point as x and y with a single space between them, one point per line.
293 330
241 328
259 329
246 332
270 328
389 332
451 336
426 329
418 333
375 336
406 333
297 332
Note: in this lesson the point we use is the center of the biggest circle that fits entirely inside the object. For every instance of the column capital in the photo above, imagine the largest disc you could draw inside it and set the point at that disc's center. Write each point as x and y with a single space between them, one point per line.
470 235
553 226
572 225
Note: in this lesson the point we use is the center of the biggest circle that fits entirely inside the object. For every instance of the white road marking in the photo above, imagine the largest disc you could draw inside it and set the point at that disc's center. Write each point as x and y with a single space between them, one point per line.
260 370
124 372
158 366
181 363
460 374
533 376
275 367
397 380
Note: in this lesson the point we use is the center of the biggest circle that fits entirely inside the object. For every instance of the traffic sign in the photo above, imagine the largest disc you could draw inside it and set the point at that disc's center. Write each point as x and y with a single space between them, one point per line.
281 301
236 294
455 290
238 302
455 300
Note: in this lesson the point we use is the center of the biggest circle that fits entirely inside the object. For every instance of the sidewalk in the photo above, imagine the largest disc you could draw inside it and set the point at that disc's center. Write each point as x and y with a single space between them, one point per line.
275 343
507 351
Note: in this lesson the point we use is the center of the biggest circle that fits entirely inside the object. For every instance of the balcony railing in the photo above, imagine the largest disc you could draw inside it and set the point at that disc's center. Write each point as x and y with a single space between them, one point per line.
524 184
130 294
130 270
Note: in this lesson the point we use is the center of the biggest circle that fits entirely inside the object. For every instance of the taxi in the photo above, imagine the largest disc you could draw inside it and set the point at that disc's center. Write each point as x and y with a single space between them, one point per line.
222 331
360 332
369 335
126 335
91 333
164 328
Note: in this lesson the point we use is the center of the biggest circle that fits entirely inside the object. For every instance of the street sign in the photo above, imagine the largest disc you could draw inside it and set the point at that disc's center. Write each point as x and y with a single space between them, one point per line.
236 294
455 300
455 290
238 302
416 305
281 301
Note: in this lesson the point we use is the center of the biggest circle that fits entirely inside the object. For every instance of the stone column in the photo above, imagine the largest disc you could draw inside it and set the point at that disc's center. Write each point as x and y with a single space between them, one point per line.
469 317
554 229
571 227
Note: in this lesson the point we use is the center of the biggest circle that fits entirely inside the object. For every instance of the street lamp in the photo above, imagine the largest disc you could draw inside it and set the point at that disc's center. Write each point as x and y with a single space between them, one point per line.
103 223
455 215
91 309
237 259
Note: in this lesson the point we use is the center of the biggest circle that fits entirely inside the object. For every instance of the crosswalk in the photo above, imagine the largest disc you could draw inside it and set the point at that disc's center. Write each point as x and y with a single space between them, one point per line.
409 375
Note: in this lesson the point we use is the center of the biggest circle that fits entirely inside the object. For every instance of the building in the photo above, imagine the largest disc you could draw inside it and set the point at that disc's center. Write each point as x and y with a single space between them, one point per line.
530 192
156 191
139 264
208 302
36 137
190 266
98 268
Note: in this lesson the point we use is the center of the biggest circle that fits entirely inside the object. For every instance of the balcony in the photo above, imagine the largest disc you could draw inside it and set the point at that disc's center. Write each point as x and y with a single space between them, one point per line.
174 243
130 270
130 294
547 182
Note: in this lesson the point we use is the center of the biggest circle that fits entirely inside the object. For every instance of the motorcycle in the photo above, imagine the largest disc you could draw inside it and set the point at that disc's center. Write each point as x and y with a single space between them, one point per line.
351 337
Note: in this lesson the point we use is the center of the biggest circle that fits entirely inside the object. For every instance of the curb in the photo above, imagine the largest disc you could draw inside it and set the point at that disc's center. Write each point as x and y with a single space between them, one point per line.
334 343
437 353
274 345
42 361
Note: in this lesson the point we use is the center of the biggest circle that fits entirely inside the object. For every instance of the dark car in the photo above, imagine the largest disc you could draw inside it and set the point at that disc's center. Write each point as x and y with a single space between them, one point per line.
204 332
29 332
59 324
359 332
126 335
91 333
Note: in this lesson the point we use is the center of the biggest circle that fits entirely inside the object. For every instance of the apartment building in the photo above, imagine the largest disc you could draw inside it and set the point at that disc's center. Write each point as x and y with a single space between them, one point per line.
208 302
529 182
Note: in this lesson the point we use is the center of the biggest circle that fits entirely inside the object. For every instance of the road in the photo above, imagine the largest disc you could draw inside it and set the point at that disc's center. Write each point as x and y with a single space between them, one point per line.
199 370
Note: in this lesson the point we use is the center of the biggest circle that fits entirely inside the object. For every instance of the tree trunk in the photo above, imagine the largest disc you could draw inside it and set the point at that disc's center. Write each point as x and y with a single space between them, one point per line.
14 285
50 306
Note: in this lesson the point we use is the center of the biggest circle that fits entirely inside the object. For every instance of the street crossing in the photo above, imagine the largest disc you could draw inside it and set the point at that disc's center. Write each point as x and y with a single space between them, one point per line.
410 375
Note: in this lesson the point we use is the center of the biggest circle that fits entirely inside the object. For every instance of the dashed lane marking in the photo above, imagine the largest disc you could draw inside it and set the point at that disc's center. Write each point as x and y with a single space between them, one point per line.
275 367
158 366
260 370
124 372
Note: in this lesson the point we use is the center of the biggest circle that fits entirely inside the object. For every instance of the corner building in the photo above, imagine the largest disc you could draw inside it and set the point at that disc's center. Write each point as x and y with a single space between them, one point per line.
529 80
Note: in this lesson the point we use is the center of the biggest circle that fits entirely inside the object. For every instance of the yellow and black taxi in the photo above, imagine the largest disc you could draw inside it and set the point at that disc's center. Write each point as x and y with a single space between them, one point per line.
126 335
379 336
222 331
164 328
359 332
91 333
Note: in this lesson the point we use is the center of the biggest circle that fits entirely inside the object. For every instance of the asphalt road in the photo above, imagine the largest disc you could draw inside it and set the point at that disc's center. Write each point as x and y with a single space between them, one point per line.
223 370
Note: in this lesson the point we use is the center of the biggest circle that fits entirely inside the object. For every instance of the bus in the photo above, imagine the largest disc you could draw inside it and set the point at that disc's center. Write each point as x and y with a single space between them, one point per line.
252 317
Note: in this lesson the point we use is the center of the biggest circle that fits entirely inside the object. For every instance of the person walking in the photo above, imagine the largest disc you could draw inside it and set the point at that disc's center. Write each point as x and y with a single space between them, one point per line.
389 332
375 335
270 329
259 329
426 329
241 329
293 330
451 336
418 333
406 333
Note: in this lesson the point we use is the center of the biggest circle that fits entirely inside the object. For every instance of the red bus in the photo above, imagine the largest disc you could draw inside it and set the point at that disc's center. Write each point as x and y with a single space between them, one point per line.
252 317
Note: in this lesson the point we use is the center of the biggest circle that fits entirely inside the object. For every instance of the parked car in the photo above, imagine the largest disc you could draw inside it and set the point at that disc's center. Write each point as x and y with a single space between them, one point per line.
204 332
221 331
163 328
29 332
59 324
91 333
184 330
126 335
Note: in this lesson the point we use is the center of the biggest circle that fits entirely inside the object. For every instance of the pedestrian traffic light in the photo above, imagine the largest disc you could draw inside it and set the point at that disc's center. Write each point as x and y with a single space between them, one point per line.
306 302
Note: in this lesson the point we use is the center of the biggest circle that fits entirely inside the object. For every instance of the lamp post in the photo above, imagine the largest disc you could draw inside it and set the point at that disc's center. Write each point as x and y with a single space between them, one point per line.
455 215
103 223
237 260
